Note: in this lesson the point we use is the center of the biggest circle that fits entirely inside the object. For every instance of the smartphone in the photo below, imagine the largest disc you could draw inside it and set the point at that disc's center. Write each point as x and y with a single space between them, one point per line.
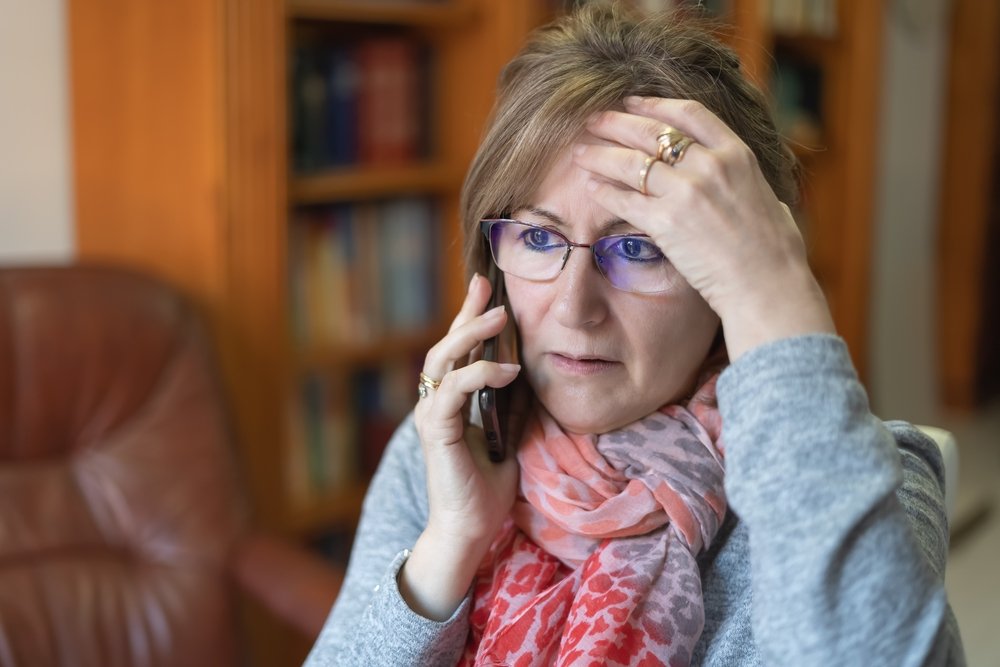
494 404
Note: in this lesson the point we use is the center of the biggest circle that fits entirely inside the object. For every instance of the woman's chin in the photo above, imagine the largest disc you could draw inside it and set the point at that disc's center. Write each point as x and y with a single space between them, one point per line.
584 416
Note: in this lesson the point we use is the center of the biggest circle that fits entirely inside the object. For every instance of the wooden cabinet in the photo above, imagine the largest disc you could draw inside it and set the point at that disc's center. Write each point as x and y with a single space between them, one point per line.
180 112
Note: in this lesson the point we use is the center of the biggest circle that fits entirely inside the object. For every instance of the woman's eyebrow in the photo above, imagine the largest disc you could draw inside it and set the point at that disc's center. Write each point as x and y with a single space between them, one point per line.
608 227
548 215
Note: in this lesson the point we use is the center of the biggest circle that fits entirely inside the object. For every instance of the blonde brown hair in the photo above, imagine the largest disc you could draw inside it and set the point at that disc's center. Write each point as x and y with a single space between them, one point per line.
589 61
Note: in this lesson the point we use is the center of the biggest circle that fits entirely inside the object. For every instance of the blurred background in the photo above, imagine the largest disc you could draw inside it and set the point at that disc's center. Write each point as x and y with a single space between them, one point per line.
291 168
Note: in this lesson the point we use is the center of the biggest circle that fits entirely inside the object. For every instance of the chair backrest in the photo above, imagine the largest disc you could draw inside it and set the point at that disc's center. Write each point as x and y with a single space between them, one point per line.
118 495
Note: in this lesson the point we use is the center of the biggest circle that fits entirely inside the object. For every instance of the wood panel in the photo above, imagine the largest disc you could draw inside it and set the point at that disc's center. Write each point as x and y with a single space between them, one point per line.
968 170
254 331
839 175
857 123
147 128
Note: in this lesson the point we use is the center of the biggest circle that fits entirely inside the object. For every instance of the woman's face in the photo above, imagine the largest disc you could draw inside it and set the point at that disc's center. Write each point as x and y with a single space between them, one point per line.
597 357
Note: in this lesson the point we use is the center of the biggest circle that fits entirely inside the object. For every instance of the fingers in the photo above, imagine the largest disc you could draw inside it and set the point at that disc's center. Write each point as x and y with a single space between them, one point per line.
453 350
476 299
625 203
443 402
458 385
690 117
625 166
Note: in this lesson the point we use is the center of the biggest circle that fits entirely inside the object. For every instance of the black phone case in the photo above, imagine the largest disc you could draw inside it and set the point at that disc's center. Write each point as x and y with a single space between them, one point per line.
493 402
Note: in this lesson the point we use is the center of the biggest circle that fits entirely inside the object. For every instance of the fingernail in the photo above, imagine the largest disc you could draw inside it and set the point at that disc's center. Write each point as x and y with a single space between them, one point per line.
591 184
578 149
473 281
633 99
511 368
495 312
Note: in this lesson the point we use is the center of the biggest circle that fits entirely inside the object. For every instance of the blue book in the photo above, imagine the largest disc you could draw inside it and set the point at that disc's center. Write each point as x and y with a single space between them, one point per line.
342 110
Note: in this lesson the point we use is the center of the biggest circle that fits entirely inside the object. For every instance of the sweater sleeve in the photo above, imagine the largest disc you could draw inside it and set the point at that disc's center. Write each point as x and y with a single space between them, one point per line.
371 624
848 537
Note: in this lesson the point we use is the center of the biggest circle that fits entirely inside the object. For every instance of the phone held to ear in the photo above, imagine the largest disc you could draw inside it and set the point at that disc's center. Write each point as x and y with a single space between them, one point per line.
494 404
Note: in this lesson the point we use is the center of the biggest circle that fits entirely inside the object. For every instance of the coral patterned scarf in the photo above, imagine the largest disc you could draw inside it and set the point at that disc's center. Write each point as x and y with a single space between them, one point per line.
597 565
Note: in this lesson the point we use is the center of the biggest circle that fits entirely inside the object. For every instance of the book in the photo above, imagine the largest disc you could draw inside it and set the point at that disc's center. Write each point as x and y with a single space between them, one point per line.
388 106
407 241
309 108
342 109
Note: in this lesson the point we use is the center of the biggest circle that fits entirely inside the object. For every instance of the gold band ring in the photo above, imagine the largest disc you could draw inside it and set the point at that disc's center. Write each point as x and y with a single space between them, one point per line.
644 173
426 384
676 151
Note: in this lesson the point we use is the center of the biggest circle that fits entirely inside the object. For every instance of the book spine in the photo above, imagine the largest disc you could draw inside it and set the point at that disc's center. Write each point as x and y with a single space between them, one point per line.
388 107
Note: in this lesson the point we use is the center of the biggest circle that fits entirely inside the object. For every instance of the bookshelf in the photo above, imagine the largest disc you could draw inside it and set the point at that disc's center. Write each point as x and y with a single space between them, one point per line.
184 168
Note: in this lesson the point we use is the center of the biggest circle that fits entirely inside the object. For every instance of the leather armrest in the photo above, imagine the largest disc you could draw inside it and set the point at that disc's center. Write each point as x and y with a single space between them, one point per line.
294 584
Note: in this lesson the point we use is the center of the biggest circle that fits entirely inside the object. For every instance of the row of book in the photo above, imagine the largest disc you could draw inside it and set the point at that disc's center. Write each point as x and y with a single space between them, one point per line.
361 103
361 271
341 423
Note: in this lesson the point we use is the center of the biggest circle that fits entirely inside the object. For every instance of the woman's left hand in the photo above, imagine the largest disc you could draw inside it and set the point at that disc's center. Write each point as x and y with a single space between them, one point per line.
712 214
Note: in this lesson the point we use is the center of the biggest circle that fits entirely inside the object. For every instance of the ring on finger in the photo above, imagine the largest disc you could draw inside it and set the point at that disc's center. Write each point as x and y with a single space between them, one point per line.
676 151
667 139
426 384
644 173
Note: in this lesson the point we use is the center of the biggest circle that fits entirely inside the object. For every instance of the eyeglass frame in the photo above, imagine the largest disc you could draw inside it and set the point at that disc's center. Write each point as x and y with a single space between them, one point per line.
487 223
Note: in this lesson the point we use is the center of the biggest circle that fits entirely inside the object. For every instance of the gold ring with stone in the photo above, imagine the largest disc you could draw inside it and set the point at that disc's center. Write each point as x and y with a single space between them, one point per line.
676 151
666 139
426 384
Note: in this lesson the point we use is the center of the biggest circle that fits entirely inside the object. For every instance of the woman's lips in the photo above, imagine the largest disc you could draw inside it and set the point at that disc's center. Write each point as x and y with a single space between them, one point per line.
582 366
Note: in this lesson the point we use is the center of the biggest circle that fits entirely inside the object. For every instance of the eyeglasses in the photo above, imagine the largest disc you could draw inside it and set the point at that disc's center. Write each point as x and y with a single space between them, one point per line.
630 262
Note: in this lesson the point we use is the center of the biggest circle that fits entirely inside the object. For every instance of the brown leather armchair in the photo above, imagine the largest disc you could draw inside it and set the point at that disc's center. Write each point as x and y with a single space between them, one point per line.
124 535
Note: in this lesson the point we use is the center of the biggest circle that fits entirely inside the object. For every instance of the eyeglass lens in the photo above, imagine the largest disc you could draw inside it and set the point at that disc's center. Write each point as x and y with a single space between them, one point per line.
629 263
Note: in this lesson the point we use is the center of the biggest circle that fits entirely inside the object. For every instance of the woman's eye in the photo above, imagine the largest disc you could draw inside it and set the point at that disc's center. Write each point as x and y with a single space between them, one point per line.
537 239
637 249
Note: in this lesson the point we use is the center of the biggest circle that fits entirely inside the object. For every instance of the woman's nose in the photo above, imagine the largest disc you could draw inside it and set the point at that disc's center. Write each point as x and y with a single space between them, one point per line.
581 292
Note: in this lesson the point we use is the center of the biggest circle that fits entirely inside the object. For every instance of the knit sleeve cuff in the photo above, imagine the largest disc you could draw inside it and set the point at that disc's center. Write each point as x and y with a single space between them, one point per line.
408 635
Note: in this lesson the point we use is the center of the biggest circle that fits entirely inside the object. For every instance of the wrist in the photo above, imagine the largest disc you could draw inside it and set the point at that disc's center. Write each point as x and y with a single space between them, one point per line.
438 574
791 306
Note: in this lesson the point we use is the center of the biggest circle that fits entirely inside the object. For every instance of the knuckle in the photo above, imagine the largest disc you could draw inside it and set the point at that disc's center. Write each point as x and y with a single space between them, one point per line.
746 155
740 156
692 108
601 119
715 164
689 190
433 355
652 128
452 380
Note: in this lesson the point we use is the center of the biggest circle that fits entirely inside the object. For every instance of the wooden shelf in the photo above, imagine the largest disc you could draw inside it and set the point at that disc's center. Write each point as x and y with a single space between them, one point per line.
428 13
358 354
367 182
339 508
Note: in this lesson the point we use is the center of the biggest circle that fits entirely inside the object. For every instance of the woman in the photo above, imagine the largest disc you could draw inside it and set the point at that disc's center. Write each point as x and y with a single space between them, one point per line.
654 511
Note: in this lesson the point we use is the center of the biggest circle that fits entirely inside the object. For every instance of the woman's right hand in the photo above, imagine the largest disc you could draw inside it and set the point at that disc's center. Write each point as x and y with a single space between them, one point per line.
469 495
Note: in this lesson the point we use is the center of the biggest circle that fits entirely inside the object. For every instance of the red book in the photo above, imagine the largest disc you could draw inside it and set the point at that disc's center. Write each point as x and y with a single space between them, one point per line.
388 101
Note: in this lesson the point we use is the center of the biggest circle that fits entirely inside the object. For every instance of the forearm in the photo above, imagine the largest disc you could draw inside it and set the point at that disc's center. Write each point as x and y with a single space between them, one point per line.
838 572
371 624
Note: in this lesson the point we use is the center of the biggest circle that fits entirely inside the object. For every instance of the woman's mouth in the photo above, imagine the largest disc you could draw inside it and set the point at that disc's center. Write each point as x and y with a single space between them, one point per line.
573 365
